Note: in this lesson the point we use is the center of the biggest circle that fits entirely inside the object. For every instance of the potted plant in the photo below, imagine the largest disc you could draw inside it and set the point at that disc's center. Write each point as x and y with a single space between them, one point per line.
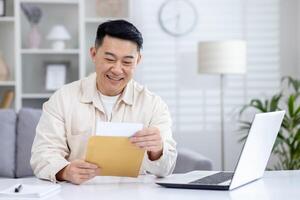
287 145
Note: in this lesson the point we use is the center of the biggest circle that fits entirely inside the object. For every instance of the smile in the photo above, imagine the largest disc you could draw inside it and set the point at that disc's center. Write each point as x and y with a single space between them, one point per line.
114 78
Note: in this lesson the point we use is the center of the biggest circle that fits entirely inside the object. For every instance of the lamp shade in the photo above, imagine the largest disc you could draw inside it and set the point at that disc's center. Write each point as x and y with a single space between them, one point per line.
222 57
58 32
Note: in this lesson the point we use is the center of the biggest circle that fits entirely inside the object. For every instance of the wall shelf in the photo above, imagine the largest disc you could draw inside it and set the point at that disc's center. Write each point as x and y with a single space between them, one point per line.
7 19
7 83
99 20
51 1
36 95
49 51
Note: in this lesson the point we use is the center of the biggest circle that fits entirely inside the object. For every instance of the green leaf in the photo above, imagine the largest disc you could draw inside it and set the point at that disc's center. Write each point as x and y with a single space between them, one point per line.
291 102
258 104
274 102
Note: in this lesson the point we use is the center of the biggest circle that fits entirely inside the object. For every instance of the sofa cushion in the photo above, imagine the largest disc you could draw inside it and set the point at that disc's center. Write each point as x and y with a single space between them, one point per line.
27 121
7 142
190 160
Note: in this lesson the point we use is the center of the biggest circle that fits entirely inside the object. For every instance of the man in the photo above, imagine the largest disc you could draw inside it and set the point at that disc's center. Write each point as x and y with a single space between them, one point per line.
72 114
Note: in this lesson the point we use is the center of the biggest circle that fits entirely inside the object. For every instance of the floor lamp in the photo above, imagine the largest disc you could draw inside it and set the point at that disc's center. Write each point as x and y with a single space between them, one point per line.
222 57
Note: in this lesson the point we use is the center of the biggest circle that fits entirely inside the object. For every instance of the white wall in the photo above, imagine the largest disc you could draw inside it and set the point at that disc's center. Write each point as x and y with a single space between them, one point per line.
298 39
289 37
169 69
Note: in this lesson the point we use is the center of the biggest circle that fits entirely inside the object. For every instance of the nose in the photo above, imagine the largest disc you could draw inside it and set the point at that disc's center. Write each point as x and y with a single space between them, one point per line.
117 68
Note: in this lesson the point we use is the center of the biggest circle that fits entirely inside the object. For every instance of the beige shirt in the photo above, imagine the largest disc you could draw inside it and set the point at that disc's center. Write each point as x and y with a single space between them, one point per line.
69 119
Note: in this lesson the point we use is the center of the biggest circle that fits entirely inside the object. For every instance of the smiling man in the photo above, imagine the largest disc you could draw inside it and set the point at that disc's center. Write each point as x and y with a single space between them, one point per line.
71 115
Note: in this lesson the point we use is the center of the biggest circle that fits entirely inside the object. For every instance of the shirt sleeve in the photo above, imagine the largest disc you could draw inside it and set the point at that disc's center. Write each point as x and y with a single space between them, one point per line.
166 163
50 149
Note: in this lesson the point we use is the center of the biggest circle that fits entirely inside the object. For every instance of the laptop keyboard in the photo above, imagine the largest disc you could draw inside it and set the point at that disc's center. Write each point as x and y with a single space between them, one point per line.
214 179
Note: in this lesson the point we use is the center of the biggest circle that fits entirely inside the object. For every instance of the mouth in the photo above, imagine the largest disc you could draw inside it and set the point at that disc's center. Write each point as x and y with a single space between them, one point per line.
114 78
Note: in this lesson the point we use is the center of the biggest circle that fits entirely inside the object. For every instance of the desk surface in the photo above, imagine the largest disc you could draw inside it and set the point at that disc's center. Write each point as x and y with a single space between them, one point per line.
275 185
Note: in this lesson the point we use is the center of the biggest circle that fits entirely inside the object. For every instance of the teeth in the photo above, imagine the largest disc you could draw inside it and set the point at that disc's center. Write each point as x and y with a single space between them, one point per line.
115 79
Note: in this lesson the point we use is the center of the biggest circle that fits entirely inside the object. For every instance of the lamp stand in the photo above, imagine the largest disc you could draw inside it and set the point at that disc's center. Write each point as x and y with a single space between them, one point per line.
222 121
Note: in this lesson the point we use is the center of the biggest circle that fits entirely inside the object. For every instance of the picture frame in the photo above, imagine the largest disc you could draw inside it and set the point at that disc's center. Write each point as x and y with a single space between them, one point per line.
2 8
56 75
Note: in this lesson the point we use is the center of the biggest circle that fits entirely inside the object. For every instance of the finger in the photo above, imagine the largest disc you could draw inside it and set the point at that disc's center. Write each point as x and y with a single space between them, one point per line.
145 138
98 172
152 149
86 171
146 131
86 165
94 172
145 144
85 176
145 134
141 133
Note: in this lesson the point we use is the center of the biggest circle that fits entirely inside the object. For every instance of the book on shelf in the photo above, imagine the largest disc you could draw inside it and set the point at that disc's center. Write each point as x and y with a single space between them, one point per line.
4 72
7 99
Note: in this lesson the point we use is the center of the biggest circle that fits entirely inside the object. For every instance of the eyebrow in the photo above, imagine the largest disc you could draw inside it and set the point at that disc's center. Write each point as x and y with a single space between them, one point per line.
113 55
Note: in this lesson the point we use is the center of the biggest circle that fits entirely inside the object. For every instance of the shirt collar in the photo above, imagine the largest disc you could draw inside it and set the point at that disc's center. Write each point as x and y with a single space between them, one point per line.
89 91
127 94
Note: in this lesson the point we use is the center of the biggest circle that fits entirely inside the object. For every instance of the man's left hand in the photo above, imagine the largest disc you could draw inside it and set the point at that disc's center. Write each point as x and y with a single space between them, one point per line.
150 140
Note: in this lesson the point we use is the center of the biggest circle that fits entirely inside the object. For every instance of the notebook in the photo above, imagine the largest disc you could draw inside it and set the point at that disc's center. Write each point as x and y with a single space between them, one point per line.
30 191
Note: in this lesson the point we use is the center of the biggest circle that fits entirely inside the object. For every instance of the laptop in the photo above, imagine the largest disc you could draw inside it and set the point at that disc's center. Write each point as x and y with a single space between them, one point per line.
250 167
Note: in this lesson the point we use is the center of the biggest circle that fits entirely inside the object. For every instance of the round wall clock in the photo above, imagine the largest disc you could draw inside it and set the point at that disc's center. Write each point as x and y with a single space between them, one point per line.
177 17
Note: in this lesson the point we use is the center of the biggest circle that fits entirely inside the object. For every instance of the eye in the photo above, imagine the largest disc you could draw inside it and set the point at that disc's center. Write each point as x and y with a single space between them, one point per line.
109 59
127 63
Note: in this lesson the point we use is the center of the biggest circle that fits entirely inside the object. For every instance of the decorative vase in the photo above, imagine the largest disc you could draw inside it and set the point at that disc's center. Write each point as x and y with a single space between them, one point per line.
34 37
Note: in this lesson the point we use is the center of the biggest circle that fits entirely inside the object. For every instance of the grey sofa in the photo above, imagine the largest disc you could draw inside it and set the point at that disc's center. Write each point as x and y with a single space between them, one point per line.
17 132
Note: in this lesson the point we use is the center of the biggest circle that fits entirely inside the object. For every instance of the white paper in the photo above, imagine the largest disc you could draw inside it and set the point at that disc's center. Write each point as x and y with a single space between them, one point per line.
56 76
30 191
117 129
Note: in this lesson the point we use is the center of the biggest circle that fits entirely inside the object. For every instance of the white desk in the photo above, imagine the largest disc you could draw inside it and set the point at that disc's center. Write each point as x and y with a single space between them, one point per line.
275 185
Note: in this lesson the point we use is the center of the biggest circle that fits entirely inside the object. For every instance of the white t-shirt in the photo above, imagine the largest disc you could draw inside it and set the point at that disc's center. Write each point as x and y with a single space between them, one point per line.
108 103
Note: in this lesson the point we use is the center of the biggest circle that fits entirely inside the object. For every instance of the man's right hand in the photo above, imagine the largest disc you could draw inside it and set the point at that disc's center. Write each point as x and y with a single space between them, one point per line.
78 171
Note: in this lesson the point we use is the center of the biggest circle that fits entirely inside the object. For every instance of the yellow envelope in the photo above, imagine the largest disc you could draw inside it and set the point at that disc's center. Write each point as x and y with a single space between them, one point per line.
116 156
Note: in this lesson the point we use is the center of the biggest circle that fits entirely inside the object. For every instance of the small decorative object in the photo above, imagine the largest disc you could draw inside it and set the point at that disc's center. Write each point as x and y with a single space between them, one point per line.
7 99
56 75
33 14
58 35
2 8
111 8
4 73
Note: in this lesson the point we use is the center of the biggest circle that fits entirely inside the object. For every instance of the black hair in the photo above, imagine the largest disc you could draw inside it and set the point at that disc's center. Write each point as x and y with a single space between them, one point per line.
119 29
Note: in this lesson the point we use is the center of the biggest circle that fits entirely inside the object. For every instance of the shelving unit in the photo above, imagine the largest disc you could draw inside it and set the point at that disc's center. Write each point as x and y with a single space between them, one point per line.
50 51
7 19
7 43
27 66
7 83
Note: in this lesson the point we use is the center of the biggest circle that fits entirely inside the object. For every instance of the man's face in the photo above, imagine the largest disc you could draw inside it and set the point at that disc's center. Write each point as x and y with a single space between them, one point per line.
115 61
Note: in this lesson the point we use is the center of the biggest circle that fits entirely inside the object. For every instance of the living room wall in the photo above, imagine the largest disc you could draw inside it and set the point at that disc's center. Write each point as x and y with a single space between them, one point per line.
169 68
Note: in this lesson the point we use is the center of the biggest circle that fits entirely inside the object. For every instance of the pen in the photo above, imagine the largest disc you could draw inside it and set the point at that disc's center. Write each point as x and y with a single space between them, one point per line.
18 188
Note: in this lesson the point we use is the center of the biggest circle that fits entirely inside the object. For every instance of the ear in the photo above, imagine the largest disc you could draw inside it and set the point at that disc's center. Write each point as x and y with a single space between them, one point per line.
93 52
139 58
